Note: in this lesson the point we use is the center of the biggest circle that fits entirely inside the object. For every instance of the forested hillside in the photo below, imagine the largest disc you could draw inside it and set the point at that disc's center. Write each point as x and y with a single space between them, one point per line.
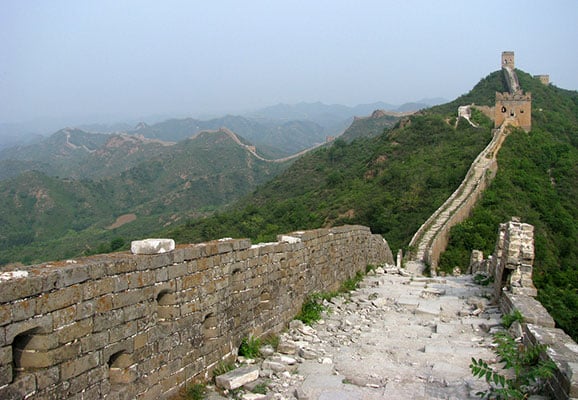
393 182
537 181
44 217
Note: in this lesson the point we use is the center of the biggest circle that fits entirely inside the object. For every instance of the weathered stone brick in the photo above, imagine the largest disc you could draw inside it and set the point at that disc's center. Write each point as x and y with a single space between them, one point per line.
98 287
79 365
119 264
58 299
139 310
95 341
85 309
74 331
177 270
104 303
107 320
23 309
46 377
140 279
43 359
64 316
5 314
42 342
6 373
191 281
122 331
128 297
42 324
19 288
71 275
22 387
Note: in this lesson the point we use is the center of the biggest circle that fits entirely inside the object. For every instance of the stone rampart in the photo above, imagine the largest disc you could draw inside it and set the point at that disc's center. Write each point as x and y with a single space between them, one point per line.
125 326
512 266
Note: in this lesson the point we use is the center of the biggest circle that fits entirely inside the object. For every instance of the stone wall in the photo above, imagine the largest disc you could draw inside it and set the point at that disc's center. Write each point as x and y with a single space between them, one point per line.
516 109
125 326
512 266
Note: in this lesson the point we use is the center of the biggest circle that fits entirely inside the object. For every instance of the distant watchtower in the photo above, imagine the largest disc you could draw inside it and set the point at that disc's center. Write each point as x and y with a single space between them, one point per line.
514 106
508 59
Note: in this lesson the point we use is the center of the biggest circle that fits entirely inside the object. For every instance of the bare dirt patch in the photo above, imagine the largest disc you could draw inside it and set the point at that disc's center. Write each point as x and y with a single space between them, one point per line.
123 219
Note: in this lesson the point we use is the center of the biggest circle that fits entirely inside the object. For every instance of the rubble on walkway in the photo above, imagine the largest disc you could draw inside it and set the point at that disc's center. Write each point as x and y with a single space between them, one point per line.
395 337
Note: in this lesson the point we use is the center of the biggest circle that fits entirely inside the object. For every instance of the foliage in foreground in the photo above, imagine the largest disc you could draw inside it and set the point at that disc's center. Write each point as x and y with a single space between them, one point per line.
524 371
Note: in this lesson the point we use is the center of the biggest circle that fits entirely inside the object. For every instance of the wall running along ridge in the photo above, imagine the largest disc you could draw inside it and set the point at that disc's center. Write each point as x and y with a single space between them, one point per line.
123 326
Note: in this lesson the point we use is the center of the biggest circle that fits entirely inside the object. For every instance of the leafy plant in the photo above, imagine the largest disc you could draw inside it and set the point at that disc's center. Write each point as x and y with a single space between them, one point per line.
509 319
311 309
250 347
527 370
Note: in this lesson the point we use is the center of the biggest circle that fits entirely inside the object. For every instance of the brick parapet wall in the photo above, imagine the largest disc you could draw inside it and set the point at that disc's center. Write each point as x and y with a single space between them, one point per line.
514 253
125 326
562 350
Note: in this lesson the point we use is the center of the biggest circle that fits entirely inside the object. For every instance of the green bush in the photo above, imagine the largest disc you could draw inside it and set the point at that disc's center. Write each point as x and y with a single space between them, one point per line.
529 370
311 309
250 347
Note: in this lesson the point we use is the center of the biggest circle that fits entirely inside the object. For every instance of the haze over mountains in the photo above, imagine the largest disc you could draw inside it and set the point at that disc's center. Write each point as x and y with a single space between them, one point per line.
332 118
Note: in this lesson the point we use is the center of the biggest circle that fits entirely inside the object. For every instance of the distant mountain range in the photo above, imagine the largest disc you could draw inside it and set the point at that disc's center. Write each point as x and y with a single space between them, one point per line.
93 186
332 118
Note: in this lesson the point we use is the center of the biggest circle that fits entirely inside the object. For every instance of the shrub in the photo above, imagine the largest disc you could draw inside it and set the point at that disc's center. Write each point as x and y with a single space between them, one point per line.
311 309
250 347
529 370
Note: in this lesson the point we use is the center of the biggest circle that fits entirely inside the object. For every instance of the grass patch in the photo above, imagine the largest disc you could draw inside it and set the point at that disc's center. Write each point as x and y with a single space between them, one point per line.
272 340
223 367
196 392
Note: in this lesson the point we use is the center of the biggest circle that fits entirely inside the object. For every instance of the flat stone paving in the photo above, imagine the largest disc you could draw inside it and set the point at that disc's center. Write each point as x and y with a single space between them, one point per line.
396 337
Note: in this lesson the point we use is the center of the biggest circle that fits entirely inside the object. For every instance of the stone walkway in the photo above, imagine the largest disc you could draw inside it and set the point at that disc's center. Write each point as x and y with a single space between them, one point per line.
396 337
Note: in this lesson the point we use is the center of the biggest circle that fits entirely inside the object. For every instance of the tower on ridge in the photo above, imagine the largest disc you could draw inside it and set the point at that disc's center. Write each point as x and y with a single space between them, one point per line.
514 107
508 59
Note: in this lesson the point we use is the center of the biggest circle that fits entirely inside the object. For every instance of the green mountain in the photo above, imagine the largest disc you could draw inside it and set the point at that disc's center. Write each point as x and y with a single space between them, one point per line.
276 138
538 181
47 218
74 153
394 181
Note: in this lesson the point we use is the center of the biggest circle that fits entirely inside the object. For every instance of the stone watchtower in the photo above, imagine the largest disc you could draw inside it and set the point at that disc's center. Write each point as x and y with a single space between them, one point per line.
508 59
514 106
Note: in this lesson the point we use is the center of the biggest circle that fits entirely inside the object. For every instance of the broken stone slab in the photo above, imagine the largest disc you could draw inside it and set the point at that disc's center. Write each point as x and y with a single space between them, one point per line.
237 377
152 246
287 348
308 354
274 366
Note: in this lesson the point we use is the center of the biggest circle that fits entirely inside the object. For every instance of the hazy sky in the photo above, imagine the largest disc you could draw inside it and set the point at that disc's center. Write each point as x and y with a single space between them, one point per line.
135 58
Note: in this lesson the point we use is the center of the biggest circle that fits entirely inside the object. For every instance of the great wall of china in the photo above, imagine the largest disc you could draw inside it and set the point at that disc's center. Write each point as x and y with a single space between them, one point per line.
124 326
